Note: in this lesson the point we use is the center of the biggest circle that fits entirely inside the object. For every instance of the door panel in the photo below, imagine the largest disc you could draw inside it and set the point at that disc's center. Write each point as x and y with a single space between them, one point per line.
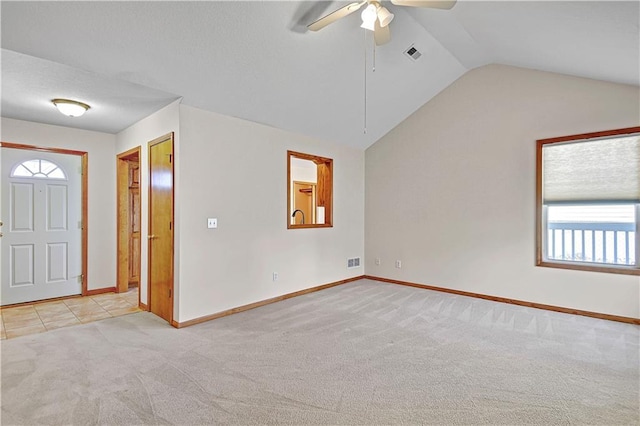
134 262
21 219
57 262
42 242
57 202
161 227
22 265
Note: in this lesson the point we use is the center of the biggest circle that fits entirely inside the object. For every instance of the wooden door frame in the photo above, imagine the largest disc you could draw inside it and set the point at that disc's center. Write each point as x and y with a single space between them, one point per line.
122 213
84 158
314 201
168 137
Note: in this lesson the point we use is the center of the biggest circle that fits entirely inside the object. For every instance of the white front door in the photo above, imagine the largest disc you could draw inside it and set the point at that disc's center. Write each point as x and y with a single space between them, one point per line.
42 230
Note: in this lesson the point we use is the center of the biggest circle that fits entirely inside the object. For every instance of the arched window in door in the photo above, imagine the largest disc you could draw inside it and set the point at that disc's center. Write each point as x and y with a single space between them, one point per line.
38 168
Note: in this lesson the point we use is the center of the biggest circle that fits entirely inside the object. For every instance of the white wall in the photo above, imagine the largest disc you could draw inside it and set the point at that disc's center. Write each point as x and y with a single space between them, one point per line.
140 134
101 192
236 171
451 190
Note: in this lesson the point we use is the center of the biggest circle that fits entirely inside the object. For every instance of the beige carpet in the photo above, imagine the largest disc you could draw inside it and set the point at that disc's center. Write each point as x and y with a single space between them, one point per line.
361 353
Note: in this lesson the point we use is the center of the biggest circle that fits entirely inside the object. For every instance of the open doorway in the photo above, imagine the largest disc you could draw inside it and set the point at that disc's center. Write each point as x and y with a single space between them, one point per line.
129 216
304 202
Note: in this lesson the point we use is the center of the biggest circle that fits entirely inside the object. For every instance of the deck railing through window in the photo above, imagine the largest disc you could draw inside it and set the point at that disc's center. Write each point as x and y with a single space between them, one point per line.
596 242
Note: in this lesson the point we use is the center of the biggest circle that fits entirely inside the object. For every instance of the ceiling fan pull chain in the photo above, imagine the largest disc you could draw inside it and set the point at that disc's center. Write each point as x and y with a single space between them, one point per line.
365 82
374 56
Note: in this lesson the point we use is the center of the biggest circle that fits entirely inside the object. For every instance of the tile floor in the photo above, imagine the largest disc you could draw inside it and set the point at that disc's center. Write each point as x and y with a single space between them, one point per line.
44 316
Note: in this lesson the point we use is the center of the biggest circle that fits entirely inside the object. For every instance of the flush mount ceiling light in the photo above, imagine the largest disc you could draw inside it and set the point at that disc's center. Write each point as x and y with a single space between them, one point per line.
70 108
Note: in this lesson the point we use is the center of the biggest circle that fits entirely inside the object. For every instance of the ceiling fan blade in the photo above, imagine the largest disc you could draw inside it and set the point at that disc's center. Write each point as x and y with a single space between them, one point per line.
382 35
434 4
335 15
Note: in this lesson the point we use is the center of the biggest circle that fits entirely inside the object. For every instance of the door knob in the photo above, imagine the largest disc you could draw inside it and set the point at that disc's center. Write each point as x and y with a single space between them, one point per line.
1 223
152 237
1 234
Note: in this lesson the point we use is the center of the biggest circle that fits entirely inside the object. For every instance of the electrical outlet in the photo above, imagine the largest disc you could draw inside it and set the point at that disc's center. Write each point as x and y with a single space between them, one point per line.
398 264
378 261
212 222
275 276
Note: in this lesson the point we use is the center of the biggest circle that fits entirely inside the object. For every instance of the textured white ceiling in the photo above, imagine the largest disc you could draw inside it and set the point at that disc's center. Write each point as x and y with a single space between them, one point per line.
599 40
254 60
29 84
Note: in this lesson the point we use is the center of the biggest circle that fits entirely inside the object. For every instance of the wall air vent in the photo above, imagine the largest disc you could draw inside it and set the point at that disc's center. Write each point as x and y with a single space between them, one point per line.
353 263
413 53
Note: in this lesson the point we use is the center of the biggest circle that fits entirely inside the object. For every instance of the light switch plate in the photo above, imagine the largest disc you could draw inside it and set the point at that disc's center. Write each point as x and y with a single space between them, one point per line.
212 222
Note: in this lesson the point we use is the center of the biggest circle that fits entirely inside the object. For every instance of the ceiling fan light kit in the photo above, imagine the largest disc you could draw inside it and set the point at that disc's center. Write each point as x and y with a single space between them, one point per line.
369 16
384 16
375 11
376 17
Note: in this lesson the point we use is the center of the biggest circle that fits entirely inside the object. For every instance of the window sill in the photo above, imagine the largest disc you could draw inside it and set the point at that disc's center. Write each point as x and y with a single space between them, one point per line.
609 269
311 225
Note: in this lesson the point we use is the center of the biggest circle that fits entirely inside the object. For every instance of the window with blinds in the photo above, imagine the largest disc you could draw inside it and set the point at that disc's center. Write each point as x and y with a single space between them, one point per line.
588 201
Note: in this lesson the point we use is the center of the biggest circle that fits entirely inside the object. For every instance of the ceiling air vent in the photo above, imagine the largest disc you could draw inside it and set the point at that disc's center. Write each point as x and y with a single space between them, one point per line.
413 53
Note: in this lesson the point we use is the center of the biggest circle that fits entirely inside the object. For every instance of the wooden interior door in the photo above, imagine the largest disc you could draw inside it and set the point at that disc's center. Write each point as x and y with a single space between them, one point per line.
134 223
129 215
161 227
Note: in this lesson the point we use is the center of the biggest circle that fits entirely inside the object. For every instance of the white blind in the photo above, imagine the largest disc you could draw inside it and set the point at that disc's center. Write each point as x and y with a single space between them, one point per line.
592 171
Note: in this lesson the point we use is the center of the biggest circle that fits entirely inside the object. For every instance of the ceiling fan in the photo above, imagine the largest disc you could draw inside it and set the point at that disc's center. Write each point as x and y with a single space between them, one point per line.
376 17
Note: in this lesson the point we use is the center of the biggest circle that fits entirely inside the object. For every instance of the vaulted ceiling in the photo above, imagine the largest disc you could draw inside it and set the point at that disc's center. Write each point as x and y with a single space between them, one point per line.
256 60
